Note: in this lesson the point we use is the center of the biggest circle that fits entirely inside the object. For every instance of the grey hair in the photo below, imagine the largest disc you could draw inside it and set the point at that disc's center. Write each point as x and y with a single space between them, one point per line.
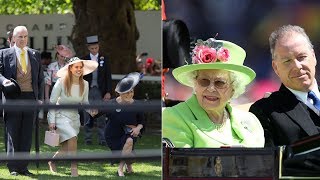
19 29
285 31
237 85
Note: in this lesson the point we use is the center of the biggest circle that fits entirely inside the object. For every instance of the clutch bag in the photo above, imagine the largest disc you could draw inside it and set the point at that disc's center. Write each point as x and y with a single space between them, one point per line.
51 138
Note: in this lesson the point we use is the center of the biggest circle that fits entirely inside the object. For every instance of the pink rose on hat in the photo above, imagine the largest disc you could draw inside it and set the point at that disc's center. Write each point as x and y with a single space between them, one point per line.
223 54
64 51
209 51
207 55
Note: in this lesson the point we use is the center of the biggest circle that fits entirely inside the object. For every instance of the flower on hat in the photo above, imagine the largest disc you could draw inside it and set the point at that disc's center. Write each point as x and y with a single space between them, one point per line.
149 62
209 51
64 51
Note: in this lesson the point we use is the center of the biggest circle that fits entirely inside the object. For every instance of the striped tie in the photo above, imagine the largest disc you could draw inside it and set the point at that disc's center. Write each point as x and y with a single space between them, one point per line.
23 61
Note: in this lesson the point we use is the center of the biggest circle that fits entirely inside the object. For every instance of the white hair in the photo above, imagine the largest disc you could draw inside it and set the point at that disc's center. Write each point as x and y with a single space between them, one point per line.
19 29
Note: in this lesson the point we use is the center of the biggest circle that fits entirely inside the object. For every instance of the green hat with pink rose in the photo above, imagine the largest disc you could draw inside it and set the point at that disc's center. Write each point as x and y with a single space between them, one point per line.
215 54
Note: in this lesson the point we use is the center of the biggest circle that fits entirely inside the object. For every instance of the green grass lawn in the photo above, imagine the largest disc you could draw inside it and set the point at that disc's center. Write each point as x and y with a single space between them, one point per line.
89 170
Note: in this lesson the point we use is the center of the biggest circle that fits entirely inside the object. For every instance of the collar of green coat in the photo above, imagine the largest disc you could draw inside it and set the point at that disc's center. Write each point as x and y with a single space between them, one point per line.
203 122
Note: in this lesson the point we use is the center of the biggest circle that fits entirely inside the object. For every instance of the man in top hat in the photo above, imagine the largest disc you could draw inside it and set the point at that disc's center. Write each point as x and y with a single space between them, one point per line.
22 64
100 88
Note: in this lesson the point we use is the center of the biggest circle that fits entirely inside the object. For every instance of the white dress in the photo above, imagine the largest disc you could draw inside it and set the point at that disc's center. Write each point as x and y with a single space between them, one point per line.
67 120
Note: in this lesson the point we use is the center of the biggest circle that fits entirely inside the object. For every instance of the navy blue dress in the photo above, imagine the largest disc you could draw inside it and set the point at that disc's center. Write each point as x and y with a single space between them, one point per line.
117 120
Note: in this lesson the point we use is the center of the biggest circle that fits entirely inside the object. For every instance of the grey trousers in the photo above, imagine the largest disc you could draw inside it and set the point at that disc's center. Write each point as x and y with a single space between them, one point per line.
94 96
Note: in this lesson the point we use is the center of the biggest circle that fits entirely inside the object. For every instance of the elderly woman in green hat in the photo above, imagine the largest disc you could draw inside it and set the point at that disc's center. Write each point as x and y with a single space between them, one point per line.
206 119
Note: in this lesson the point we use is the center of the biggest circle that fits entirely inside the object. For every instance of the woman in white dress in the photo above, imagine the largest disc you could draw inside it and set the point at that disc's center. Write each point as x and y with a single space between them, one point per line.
70 88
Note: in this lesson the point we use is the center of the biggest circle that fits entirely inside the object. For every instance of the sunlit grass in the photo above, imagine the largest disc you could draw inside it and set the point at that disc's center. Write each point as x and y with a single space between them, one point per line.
90 170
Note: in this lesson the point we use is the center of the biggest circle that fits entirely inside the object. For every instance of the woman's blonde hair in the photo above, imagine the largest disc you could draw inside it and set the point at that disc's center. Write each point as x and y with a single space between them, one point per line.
68 82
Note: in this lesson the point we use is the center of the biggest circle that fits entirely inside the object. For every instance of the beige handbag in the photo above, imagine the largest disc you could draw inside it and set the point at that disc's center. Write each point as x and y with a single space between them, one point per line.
51 138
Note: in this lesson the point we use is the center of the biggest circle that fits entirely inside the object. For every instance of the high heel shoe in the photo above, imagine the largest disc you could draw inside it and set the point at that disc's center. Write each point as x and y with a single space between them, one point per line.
129 168
120 173
52 167
74 172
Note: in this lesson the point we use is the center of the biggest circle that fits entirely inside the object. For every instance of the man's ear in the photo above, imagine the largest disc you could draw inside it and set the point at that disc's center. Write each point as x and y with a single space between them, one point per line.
275 67
314 56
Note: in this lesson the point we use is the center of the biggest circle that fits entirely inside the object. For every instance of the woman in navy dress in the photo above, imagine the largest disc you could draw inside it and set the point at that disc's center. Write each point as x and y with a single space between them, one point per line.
122 127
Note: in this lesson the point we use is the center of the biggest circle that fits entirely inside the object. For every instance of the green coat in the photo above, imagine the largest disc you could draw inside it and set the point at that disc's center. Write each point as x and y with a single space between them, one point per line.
187 125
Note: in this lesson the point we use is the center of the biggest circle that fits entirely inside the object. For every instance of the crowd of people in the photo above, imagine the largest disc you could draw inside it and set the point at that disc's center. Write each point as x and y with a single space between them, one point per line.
67 80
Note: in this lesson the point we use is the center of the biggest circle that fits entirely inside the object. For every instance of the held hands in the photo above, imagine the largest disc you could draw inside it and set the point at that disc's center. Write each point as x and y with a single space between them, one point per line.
52 126
107 97
93 112
135 131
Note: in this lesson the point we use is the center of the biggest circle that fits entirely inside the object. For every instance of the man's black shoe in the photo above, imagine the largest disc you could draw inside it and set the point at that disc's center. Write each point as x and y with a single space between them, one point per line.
26 173
14 173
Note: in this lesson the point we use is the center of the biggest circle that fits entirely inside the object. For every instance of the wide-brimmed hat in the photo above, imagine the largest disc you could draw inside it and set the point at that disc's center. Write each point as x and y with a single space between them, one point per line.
11 90
127 83
215 54
64 51
89 66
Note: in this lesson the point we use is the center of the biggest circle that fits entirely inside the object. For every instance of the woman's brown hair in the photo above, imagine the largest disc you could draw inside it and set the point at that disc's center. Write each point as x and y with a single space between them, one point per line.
68 82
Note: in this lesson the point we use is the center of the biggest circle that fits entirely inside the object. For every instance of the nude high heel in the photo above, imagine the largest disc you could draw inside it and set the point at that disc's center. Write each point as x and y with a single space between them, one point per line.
129 168
74 170
52 167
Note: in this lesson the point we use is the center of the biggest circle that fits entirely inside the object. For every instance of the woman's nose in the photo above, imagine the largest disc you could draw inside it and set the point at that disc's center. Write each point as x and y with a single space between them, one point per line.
211 87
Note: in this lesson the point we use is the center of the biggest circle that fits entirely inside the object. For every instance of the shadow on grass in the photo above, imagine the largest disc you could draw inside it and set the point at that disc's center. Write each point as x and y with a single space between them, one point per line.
89 170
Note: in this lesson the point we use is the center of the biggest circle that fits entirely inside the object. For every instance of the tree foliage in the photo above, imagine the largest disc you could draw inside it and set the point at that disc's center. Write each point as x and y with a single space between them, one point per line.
146 5
18 7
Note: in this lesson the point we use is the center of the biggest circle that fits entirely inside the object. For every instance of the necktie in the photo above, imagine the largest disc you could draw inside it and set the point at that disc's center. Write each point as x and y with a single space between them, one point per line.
315 99
23 61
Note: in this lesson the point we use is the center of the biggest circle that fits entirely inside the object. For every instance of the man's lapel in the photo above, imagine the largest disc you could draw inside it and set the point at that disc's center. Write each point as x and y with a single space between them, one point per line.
13 62
32 60
298 112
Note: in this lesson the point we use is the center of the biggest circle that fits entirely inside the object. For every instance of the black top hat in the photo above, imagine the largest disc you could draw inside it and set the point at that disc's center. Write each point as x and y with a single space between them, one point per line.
127 83
11 90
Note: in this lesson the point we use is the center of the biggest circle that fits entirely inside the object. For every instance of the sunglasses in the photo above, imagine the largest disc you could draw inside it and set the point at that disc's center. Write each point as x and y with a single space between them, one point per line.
218 83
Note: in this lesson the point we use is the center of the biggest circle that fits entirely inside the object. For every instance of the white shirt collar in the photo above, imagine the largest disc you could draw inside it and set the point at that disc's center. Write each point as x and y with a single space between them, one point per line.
18 49
303 96
96 56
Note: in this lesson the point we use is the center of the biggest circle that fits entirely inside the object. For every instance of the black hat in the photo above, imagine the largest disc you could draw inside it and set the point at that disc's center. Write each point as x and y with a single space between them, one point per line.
127 83
11 90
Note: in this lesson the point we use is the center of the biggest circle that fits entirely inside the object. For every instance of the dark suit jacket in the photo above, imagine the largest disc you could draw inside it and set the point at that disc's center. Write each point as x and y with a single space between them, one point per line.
8 69
284 118
104 74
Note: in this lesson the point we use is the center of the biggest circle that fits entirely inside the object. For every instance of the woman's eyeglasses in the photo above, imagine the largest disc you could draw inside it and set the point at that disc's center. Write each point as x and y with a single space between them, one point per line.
218 83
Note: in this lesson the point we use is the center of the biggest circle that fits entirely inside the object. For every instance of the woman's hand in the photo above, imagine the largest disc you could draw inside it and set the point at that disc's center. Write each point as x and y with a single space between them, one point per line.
93 112
136 131
52 126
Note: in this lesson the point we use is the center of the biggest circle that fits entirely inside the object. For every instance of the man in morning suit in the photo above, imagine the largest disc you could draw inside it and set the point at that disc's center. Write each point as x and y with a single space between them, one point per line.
291 113
22 64
100 88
